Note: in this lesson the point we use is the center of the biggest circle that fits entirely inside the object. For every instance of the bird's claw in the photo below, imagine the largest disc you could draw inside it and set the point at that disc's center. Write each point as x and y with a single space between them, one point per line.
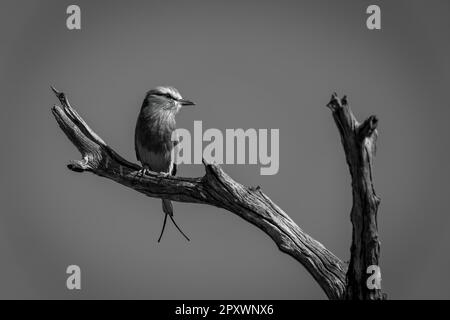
141 173
145 171
163 175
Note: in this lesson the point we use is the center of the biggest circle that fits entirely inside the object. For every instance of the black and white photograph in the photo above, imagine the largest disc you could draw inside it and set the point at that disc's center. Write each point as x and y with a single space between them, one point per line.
224 156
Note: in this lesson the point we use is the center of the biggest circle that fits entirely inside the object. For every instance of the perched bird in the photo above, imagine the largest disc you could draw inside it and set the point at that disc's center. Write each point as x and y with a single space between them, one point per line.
153 137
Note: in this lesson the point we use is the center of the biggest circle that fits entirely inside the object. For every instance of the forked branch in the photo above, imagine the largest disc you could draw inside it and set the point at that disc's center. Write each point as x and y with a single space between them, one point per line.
359 142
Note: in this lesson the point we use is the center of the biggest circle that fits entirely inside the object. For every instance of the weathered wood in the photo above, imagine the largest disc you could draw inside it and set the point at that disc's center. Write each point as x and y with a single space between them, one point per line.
359 142
215 188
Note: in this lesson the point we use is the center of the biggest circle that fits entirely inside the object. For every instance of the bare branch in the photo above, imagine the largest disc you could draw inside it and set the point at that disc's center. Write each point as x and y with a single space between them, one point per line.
359 142
367 128
215 188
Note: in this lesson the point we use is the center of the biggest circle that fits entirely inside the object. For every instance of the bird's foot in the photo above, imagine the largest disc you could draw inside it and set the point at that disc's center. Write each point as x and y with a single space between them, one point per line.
163 175
142 172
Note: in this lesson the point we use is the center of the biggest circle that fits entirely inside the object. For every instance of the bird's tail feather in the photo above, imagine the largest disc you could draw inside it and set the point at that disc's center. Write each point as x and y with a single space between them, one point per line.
168 210
167 207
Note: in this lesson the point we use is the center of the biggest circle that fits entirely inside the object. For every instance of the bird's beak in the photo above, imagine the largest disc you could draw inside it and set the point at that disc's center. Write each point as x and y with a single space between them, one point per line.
185 102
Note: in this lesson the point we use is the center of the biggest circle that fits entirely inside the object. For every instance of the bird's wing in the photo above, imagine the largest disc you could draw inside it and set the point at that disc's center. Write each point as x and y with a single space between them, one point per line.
174 169
175 138
136 149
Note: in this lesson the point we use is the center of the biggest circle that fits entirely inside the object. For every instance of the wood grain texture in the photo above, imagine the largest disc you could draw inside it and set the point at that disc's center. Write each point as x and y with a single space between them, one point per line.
359 142
218 189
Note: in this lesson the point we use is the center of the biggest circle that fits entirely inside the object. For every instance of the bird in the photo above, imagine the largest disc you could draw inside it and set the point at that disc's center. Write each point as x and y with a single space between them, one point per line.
153 137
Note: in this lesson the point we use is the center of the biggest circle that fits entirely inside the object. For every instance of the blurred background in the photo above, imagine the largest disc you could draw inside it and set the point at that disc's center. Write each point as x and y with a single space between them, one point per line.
247 64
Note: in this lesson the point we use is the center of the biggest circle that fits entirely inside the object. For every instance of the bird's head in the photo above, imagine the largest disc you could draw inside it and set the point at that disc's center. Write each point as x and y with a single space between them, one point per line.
166 99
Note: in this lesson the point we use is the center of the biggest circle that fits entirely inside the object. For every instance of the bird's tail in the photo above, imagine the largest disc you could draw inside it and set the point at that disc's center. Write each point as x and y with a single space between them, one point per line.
167 207
168 210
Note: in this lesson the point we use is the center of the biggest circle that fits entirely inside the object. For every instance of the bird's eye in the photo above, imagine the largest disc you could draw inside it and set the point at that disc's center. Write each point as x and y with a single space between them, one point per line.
165 95
171 97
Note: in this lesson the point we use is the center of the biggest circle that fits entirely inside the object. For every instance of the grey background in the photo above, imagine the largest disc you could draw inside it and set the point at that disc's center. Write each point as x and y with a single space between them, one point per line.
253 64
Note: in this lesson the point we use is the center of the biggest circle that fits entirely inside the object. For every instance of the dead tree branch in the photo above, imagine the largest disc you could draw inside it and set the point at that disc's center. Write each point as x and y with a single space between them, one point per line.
216 188
359 142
